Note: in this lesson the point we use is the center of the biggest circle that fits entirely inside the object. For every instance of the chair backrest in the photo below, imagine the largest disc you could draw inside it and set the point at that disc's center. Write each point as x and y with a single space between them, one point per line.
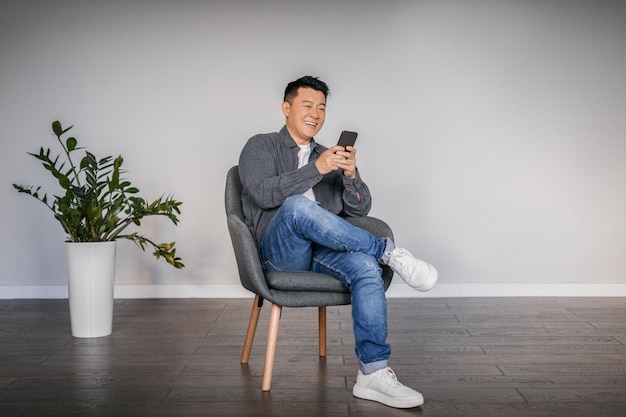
244 245
233 193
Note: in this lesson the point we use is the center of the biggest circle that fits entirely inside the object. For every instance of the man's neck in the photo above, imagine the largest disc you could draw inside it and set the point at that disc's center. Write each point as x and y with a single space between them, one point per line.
299 140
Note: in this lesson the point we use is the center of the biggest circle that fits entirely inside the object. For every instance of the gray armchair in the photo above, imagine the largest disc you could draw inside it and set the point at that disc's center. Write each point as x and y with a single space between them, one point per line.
284 289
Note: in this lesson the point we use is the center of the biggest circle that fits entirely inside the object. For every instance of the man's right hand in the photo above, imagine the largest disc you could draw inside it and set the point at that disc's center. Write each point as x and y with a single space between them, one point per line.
328 160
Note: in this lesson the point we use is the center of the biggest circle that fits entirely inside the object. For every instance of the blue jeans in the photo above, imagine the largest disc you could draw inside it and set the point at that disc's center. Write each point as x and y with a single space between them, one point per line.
302 236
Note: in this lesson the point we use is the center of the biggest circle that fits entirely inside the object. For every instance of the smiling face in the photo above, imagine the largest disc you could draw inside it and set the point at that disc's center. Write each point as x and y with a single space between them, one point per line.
305 114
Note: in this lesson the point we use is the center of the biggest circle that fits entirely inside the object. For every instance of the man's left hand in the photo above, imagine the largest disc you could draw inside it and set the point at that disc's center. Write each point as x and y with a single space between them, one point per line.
347 161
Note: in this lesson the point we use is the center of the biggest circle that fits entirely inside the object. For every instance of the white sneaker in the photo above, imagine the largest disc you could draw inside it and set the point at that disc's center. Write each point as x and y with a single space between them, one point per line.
419 274
384 387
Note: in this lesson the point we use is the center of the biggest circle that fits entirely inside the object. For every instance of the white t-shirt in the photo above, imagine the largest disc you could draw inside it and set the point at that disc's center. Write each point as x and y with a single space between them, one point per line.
303 159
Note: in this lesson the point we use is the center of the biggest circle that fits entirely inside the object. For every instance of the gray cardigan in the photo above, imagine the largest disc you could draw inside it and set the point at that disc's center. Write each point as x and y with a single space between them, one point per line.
268 167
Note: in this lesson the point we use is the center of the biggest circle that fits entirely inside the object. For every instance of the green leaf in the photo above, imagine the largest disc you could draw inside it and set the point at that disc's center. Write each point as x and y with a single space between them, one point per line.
56 128
64 181
71 144
115 180
92 159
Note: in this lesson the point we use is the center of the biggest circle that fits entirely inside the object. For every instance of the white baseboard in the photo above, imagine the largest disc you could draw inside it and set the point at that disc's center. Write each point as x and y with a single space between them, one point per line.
397 290
402 290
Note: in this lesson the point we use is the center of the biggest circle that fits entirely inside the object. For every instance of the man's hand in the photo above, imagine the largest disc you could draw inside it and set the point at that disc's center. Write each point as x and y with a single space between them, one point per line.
337 158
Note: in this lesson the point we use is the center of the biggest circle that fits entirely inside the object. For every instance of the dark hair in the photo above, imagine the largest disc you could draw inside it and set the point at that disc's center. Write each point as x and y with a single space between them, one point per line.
307 82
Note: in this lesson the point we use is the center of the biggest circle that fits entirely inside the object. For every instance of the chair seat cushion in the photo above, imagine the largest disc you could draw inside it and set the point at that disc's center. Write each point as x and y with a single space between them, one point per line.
303 281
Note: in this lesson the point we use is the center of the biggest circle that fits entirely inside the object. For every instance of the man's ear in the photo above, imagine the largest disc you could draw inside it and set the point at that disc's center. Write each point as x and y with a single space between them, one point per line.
285 107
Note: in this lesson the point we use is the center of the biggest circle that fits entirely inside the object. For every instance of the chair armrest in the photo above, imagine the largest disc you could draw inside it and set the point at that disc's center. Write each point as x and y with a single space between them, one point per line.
373 225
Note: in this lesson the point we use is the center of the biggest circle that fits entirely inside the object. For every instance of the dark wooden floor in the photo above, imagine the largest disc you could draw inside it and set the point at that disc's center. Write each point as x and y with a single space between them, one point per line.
468 356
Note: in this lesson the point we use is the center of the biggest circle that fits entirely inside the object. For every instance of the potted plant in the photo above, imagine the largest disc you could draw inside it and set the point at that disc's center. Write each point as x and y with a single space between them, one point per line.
95 209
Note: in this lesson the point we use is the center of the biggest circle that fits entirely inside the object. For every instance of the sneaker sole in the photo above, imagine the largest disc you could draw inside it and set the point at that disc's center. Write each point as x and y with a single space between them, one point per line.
366 394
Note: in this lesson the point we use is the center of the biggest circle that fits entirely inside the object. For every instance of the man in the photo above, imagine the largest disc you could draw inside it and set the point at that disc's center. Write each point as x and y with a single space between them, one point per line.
295 192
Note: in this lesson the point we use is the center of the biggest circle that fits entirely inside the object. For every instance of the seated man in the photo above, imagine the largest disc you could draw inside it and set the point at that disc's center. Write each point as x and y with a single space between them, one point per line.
294 194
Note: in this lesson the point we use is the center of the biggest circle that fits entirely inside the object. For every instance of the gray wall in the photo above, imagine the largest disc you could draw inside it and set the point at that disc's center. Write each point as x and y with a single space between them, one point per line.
492 133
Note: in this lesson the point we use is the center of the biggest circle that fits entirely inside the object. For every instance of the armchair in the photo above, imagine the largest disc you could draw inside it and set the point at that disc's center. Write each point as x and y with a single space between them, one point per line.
284 289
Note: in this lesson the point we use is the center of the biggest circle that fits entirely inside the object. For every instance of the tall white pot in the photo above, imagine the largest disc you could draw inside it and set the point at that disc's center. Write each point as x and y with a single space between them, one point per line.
91 278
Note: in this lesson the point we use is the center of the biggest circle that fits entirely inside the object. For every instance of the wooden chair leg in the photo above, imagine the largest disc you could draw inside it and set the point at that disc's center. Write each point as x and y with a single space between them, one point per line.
270 353
254 320
322 330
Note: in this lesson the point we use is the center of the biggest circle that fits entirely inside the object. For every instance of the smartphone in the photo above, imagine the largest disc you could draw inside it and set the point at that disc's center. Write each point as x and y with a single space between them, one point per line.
347 138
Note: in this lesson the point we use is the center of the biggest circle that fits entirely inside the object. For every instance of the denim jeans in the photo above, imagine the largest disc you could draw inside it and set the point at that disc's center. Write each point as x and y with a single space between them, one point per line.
302 236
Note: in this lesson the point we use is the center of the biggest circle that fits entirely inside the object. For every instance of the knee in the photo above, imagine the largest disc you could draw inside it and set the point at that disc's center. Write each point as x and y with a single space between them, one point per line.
297 204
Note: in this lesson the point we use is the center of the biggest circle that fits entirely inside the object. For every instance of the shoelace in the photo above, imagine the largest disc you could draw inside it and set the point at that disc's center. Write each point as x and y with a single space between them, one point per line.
400 262
390 376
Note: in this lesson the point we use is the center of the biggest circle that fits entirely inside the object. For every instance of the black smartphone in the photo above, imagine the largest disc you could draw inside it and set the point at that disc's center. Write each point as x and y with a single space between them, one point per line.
347 138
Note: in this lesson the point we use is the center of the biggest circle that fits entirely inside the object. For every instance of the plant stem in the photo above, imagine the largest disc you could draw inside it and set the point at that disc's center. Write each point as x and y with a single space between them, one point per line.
67 153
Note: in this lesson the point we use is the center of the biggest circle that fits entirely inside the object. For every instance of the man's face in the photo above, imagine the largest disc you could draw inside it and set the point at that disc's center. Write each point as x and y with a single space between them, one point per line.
305 114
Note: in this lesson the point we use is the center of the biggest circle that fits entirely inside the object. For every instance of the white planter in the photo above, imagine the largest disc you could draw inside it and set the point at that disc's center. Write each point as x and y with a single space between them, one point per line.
91 277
